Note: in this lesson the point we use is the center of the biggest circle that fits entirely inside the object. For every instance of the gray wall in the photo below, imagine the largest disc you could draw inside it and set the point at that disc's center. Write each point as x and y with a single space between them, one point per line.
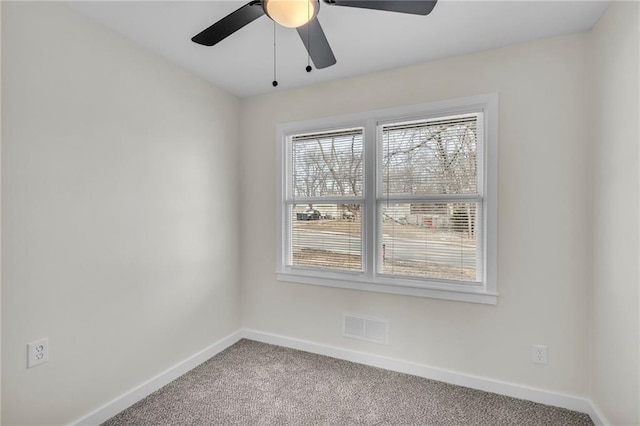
114 166
615 296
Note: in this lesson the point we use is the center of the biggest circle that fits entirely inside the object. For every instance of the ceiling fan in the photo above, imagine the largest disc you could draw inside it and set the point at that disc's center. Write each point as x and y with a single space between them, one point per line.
302 15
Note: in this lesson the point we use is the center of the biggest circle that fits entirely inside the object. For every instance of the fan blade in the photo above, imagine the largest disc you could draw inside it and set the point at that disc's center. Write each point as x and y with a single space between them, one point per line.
414 7
316 43
230 24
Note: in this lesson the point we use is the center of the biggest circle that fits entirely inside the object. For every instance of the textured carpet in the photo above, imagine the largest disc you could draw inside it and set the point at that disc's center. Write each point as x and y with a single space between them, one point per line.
253 383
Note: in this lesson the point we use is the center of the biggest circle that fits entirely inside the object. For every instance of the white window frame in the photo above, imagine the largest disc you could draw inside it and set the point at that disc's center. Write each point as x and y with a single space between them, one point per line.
369 279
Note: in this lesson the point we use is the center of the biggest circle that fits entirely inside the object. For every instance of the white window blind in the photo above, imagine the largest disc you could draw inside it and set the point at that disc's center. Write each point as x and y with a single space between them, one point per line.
429 199
327 164
325 200
430 157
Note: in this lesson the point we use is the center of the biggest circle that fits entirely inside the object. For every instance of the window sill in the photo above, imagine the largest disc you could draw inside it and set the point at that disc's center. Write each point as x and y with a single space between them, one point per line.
400 287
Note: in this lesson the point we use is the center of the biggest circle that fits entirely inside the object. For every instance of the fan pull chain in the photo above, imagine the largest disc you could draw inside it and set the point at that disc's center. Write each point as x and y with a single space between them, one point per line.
275 81
308 68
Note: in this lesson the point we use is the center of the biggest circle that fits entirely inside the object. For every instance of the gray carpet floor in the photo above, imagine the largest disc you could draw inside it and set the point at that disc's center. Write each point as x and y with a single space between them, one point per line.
253 383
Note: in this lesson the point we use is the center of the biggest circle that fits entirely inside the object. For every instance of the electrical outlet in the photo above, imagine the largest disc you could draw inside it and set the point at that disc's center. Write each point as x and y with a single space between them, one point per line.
539 354
37 352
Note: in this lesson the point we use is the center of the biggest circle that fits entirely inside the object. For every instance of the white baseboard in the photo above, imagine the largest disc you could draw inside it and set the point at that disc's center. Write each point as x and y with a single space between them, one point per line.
461 379
596 415
127 399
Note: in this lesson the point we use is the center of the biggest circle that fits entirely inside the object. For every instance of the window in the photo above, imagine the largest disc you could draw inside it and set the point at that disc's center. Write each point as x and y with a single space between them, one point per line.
400 200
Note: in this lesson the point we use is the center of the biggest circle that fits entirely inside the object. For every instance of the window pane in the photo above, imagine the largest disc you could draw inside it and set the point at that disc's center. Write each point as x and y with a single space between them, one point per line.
430 240
327 164
327 236
430 156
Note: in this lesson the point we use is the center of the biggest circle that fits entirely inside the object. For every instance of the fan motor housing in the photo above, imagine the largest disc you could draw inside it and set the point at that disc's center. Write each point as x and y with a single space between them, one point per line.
291 13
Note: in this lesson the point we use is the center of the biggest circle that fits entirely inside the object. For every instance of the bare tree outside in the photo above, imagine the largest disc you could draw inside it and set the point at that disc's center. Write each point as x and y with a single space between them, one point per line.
329 165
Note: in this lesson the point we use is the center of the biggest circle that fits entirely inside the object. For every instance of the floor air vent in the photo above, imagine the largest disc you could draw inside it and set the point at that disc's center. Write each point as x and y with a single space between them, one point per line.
366 329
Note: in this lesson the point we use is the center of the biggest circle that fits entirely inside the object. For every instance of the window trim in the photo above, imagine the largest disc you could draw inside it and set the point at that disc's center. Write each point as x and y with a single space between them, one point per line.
485 293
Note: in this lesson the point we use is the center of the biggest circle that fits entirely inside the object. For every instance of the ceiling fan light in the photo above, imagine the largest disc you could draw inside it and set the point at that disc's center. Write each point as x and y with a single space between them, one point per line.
291 13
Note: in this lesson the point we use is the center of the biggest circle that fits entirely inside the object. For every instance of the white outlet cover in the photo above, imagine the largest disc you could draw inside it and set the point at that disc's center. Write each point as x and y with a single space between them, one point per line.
539 354
37 352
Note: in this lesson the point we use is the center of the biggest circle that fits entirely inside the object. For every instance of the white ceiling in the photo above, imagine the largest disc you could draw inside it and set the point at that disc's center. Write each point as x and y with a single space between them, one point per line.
363 40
